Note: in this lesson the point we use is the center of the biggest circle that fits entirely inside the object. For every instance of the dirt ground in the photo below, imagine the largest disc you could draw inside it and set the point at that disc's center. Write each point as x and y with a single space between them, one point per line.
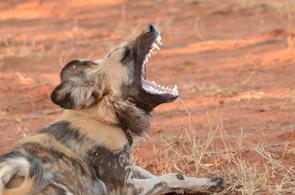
234 62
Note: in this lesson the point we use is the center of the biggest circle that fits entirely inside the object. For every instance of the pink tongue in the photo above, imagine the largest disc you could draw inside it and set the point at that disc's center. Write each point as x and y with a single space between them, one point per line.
143 72
147 83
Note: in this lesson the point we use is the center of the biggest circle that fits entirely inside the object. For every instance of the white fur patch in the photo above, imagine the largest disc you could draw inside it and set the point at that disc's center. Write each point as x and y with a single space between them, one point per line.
63 187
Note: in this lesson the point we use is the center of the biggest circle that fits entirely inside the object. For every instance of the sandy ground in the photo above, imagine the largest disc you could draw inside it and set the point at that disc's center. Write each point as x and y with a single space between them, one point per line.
234 65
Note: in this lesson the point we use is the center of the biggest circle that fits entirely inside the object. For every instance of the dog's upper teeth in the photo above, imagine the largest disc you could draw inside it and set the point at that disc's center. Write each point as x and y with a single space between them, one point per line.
156 46
159 42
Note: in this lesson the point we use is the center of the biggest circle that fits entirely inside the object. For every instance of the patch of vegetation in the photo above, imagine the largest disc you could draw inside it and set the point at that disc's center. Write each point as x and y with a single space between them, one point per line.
216 154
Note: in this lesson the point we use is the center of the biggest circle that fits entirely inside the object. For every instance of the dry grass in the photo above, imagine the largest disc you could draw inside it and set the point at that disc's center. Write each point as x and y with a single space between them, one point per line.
195 153
27 47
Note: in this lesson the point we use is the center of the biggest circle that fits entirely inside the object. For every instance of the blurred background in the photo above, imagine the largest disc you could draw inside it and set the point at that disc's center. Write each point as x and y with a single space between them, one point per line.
234 62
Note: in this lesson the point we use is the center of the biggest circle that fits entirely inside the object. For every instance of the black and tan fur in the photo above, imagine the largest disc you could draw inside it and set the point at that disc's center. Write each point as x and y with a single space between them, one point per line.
87 151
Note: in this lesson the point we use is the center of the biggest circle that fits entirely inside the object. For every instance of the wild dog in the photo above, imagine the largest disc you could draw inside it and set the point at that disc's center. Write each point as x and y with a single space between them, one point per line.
88 149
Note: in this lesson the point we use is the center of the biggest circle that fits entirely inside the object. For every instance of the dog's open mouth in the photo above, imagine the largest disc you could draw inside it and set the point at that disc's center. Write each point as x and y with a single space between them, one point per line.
152 87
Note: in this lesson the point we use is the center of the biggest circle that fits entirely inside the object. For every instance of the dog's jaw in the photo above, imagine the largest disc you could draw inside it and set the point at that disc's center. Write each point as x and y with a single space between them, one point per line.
152 42
151 86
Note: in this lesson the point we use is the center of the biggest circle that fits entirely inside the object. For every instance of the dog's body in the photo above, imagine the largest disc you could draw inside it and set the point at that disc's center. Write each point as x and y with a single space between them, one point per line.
87 151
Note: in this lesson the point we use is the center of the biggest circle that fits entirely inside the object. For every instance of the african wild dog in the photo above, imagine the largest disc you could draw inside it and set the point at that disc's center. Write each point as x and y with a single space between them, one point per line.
87 151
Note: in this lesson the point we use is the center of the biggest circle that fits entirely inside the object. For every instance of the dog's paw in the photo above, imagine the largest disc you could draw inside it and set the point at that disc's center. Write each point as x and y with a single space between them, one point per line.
216 184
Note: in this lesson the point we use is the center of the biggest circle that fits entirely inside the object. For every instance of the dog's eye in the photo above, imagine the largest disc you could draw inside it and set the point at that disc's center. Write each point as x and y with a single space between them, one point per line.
126 55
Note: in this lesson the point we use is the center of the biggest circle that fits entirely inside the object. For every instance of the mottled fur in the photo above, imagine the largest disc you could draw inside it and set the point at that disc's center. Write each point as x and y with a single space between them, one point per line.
87 150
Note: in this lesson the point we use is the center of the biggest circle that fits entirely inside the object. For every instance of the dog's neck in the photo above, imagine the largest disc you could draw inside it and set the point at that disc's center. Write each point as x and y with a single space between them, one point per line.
99 133
112 123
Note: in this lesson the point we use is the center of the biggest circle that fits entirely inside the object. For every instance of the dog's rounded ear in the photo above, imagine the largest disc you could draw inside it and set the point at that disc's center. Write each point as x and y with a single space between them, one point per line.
76 68
77 90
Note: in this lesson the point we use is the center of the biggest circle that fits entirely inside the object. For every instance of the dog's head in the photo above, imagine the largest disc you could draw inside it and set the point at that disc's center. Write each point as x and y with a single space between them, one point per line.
119 77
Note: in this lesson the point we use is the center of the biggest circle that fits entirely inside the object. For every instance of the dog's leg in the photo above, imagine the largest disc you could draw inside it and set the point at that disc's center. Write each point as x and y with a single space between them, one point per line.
140 173
177 183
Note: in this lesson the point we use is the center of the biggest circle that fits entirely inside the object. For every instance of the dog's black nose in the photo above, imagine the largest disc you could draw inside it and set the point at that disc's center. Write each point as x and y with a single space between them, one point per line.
151 28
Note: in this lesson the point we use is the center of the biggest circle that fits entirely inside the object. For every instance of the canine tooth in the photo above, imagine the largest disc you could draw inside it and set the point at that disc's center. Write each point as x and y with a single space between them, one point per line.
174 90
